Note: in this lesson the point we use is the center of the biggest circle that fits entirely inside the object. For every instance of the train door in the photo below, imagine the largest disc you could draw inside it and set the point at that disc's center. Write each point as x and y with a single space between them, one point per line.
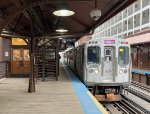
20 62
109 57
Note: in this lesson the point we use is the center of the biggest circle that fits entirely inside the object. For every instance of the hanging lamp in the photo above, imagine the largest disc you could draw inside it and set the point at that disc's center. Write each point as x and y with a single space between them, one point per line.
63 10
61 27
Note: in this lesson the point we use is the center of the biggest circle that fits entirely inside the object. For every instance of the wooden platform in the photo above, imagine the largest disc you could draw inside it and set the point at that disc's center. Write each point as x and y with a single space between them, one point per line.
51 97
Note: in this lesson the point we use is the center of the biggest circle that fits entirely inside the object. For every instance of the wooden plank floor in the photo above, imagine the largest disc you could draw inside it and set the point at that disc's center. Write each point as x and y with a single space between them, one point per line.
51 97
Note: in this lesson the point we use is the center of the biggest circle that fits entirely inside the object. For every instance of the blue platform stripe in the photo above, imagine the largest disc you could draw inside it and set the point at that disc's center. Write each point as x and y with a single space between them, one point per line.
87 103
140 71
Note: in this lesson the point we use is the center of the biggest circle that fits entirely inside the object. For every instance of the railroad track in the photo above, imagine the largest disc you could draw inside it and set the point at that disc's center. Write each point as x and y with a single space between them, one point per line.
143 91
141 86
135 105
125 106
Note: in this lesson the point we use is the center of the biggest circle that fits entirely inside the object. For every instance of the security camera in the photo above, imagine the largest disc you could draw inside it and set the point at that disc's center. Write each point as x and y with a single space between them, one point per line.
95 14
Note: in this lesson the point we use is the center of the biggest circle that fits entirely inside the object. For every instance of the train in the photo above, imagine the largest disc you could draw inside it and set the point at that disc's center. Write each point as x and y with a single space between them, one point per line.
103 65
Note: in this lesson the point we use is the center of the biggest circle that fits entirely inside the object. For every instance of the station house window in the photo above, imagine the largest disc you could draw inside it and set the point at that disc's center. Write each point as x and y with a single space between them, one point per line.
130 23
112 20
108 23
108 32
137 5
130 10
145 16
145 3
119 16
125 13
119 28
116 18
137 20
112 31
125 25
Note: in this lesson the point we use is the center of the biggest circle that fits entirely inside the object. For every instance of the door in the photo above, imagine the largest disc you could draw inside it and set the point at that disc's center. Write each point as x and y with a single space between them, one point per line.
109 56
20 62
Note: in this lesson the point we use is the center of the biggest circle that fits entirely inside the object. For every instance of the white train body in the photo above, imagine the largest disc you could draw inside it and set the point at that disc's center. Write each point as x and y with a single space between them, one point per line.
103 65
110 68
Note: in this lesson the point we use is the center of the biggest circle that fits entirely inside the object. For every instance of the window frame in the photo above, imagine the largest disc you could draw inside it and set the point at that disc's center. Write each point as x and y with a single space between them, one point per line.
99 61
127 63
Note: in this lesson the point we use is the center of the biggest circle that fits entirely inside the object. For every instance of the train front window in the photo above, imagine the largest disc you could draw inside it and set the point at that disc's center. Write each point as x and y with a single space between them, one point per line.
93 55
123 58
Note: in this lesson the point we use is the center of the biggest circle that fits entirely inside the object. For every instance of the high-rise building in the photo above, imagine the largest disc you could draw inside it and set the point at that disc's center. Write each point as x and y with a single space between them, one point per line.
131 20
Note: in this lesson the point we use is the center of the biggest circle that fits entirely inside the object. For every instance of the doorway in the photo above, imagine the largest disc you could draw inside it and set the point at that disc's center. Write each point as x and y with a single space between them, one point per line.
109 56
20 62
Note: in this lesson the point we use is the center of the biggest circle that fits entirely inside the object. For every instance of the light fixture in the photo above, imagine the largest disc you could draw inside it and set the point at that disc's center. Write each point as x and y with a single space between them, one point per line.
60 38
61 26
63 10
61 30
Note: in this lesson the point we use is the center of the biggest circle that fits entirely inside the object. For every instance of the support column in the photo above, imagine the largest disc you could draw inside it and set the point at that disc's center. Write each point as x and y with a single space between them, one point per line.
31 87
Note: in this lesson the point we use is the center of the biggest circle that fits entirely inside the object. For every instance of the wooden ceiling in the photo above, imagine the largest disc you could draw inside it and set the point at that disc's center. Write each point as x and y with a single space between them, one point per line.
35 17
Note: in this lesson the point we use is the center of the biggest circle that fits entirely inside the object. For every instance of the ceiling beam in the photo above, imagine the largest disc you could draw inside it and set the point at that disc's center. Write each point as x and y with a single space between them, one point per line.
38 2
16 36
18 5
18 20
32 4
63 36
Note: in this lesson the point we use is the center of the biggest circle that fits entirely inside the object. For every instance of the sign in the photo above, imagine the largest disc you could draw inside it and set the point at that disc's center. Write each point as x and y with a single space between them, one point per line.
6 54
109 41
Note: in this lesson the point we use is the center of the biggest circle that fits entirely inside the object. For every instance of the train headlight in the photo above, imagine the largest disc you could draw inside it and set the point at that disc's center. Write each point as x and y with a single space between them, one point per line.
96 71
91 71
121 71
125 71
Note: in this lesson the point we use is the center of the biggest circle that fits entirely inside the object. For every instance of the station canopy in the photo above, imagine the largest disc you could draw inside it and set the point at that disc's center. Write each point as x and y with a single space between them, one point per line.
35 17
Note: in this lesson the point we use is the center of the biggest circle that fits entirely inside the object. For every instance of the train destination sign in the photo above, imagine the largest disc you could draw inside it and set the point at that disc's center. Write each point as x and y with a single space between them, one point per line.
109 41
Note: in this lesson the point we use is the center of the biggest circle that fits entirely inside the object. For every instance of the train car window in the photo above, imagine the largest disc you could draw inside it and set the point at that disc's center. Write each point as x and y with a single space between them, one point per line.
123 57
108 52
93 55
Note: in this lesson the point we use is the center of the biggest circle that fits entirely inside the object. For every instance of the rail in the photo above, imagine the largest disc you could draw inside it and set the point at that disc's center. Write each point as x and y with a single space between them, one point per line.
141 86
136 105
125 106
143 93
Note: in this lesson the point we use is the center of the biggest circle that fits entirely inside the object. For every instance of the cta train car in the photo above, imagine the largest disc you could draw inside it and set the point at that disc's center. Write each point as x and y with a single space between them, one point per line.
103 65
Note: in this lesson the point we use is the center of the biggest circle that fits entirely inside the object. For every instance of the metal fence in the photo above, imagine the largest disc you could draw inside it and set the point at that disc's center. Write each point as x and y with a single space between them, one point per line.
3 69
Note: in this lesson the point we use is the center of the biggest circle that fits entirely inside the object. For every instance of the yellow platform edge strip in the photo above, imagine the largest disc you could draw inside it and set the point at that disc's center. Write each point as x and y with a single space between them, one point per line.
100 107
